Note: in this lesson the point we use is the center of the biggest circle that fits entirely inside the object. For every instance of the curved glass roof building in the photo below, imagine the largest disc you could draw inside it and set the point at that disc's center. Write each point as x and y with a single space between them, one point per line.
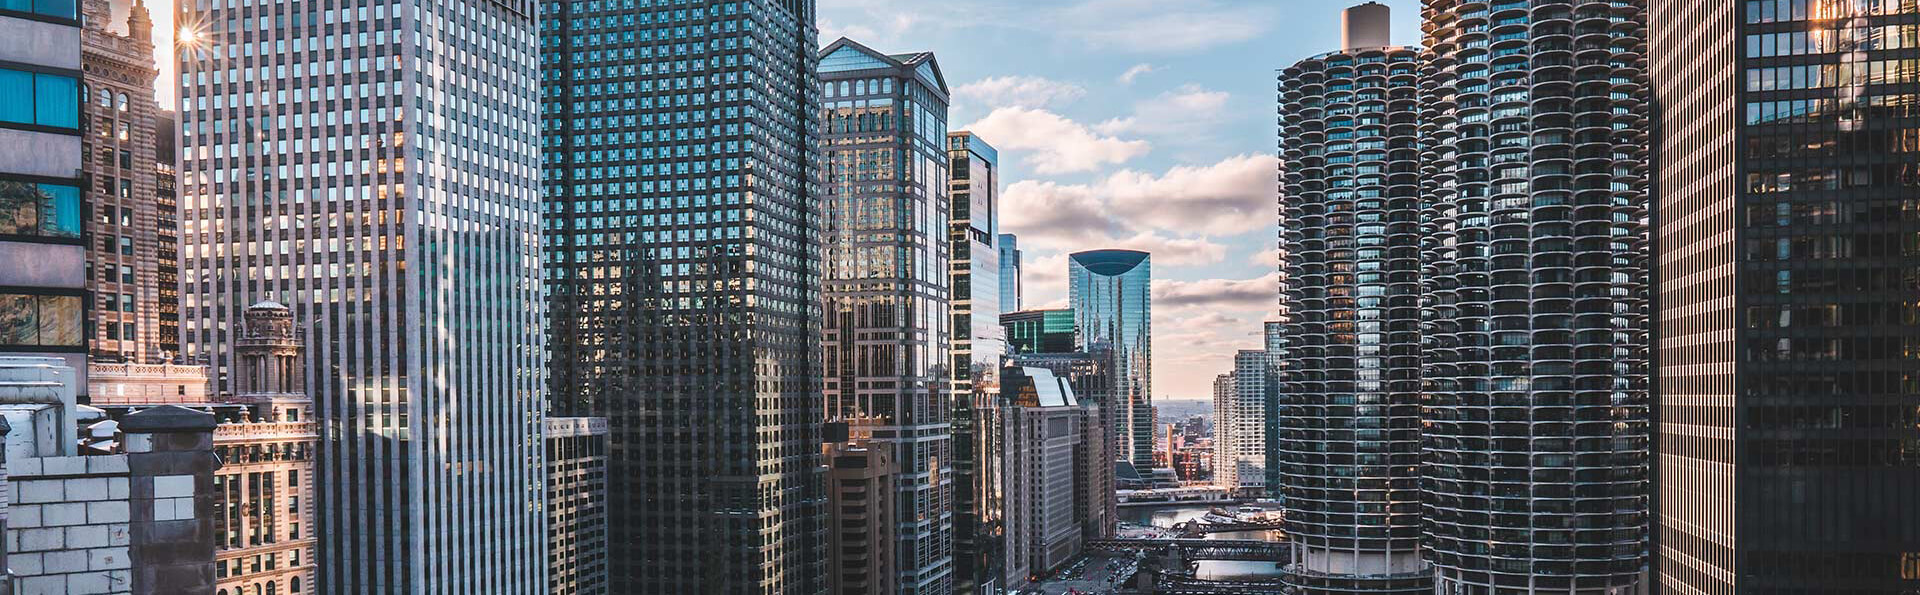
1535 444
1348 423
1110 293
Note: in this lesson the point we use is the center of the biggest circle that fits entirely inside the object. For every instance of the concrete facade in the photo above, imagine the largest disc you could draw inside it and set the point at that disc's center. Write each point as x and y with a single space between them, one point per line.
861 507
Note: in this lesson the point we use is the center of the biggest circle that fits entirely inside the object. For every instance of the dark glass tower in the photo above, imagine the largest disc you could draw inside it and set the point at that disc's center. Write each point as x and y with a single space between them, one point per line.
888 303
1349 407
683 270
1039 331
978 348
1789 207
1535 437
1111 297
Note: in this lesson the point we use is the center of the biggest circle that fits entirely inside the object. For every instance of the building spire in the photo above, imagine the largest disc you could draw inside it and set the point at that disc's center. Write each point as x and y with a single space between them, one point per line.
140 23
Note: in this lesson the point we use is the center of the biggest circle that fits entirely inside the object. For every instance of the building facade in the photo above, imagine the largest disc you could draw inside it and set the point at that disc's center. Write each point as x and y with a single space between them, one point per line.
1096 504
1224 395
1255 384
124 248
885 284
1789 430
43 250
264 493
1010 263
1111 296
577 505
1347 421
682 272
1045 429
1039 331
862 544
385 188
1534 446
979 347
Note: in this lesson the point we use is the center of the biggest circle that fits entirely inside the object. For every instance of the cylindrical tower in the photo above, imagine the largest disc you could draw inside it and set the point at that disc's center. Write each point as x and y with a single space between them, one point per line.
1349 413
1535 438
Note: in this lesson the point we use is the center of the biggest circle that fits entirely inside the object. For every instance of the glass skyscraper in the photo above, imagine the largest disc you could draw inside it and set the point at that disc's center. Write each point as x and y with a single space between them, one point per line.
1534 444
978 348
374 167
1039 331
886 285
1111 296
1010 273
1348 416
683 216
1789 207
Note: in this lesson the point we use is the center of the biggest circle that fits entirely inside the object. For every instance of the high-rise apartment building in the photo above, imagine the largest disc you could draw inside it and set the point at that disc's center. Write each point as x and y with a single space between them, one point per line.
124 250
1347 449
682 269
1224 396
1534 131
383 185
1255 384
43 271
1789 200
1111 297
885 284
577 505
1010 257
978 348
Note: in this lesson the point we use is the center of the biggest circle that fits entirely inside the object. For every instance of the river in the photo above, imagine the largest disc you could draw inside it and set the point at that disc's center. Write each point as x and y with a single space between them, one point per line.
1168 516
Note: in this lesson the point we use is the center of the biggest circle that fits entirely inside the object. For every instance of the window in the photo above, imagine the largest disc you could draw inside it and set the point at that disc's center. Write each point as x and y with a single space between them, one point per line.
48 210
54 100
42 320
52 8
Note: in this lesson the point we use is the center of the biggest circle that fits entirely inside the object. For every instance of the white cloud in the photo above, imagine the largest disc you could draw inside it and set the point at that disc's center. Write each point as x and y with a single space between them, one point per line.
1229 197
1269 258
1018 91
1257 294
1186 112
1126 78
1056 144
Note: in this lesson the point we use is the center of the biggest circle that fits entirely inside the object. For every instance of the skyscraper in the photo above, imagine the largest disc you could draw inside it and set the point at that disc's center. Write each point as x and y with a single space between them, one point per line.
1348 413
1111 299
1535 440
1789 200
683 273
1254 385
978 348
885 285
383 185
1010 295
1039 331
43 271
125 250
1224 396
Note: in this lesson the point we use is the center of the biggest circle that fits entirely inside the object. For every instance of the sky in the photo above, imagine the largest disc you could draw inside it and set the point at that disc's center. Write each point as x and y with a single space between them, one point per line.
1141 124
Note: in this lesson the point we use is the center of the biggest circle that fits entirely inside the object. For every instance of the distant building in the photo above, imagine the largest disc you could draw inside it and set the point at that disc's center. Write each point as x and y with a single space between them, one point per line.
1039 331
132 513
861 546
125 248
577 505
1111 296
1045 432
1225 398
1010 269
979 346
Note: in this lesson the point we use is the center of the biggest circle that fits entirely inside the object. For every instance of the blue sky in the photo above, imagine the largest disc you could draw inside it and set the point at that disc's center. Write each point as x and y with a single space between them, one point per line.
1144 124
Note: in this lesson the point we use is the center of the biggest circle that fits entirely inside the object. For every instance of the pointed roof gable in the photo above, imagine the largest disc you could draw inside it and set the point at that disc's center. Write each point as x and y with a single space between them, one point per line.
846 55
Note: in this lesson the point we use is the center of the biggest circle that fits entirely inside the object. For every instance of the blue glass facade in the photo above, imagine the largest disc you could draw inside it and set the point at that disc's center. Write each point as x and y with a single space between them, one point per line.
682 270
978 348
1010 258
1110 292
887 298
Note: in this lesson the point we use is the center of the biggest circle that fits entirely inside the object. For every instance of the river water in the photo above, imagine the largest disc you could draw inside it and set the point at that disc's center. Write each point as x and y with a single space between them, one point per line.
1168 516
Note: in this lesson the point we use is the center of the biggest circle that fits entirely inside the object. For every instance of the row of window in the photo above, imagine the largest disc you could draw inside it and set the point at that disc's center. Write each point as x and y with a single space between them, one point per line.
53 8
1775 11
40 320
45 210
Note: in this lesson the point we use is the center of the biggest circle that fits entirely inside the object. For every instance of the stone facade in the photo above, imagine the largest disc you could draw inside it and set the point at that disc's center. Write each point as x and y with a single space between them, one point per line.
577 505
123 238
267 435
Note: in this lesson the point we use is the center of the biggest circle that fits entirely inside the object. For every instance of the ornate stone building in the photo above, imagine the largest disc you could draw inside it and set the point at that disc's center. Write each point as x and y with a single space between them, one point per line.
124 247
264 521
